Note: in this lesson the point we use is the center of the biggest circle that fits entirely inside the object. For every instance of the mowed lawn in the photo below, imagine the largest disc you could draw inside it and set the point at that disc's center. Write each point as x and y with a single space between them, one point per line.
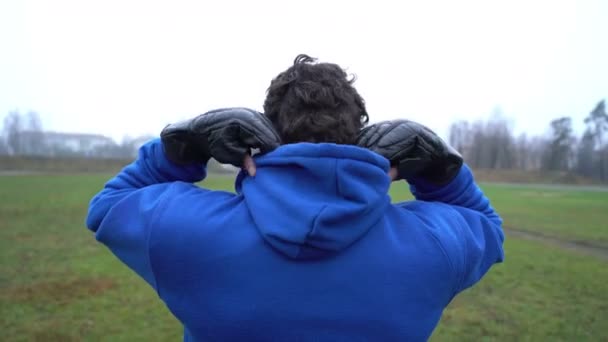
58 284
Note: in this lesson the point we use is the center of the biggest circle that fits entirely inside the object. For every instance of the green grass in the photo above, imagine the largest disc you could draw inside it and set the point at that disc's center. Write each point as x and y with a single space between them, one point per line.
58 284
564 213
539 294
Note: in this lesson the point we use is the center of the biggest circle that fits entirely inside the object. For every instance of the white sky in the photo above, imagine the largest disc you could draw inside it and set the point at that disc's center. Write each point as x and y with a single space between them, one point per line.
121 67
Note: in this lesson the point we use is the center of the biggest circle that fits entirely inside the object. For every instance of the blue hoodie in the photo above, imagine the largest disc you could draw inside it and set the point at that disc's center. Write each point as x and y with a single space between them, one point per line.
310 249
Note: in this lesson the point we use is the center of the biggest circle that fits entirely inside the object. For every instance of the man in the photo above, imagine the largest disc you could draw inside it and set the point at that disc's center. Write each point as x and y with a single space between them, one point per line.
310 247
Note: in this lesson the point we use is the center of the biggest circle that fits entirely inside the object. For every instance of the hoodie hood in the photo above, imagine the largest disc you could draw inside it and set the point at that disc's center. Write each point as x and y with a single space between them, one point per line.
311 201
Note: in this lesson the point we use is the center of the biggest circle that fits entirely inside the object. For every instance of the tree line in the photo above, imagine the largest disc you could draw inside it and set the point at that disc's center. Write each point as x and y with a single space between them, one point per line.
485 144
22 134
491 144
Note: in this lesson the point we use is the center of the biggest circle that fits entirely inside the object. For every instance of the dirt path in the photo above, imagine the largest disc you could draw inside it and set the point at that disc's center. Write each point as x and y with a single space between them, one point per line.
575 246
564 187
17 173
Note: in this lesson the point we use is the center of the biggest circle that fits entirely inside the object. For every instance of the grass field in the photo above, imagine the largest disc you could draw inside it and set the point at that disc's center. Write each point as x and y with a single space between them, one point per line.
58 284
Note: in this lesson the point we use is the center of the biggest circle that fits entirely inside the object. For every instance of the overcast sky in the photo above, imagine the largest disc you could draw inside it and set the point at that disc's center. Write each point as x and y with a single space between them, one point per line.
121 67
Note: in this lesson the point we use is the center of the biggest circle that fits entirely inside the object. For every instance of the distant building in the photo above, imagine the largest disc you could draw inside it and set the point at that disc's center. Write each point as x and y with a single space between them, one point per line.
62 144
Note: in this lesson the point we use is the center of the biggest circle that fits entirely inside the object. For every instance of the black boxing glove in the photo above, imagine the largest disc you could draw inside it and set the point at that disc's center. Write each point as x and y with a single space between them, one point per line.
227 135
415 150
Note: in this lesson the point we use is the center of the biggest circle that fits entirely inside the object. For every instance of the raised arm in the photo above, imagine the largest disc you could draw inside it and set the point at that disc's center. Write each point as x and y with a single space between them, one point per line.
466 224
150 168
123 214
462 191
447 197
120 215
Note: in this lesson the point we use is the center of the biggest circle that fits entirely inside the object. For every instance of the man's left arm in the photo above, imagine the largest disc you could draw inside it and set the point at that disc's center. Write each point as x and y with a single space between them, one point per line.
123 213
120 215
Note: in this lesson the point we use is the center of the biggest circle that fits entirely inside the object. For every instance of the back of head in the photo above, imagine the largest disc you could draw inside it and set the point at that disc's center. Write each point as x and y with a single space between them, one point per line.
315 102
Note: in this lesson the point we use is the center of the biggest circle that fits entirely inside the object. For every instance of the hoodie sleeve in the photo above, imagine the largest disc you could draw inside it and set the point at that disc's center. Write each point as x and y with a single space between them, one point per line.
467 226
121 213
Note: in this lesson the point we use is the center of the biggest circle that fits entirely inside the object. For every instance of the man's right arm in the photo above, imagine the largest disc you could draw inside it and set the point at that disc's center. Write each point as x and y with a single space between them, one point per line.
468 227
460 215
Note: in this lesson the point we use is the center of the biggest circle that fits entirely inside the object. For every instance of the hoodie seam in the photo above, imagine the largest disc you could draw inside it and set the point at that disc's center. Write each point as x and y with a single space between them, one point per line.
310 233
155 217
314 221
441 246
448 259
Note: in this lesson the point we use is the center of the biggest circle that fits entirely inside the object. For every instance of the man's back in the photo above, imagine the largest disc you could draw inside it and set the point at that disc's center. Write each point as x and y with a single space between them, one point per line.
308 249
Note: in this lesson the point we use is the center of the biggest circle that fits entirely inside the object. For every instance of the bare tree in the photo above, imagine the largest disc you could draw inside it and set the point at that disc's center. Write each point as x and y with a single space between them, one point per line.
488 145
536 147
559 153
502 141
33 135
24 134
521 154
476 151
603 164
597 128
459 136
3 146
597 121
585 155
13 125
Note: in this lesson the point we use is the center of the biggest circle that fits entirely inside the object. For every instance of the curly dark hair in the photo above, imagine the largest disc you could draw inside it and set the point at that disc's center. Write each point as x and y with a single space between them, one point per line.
315 102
